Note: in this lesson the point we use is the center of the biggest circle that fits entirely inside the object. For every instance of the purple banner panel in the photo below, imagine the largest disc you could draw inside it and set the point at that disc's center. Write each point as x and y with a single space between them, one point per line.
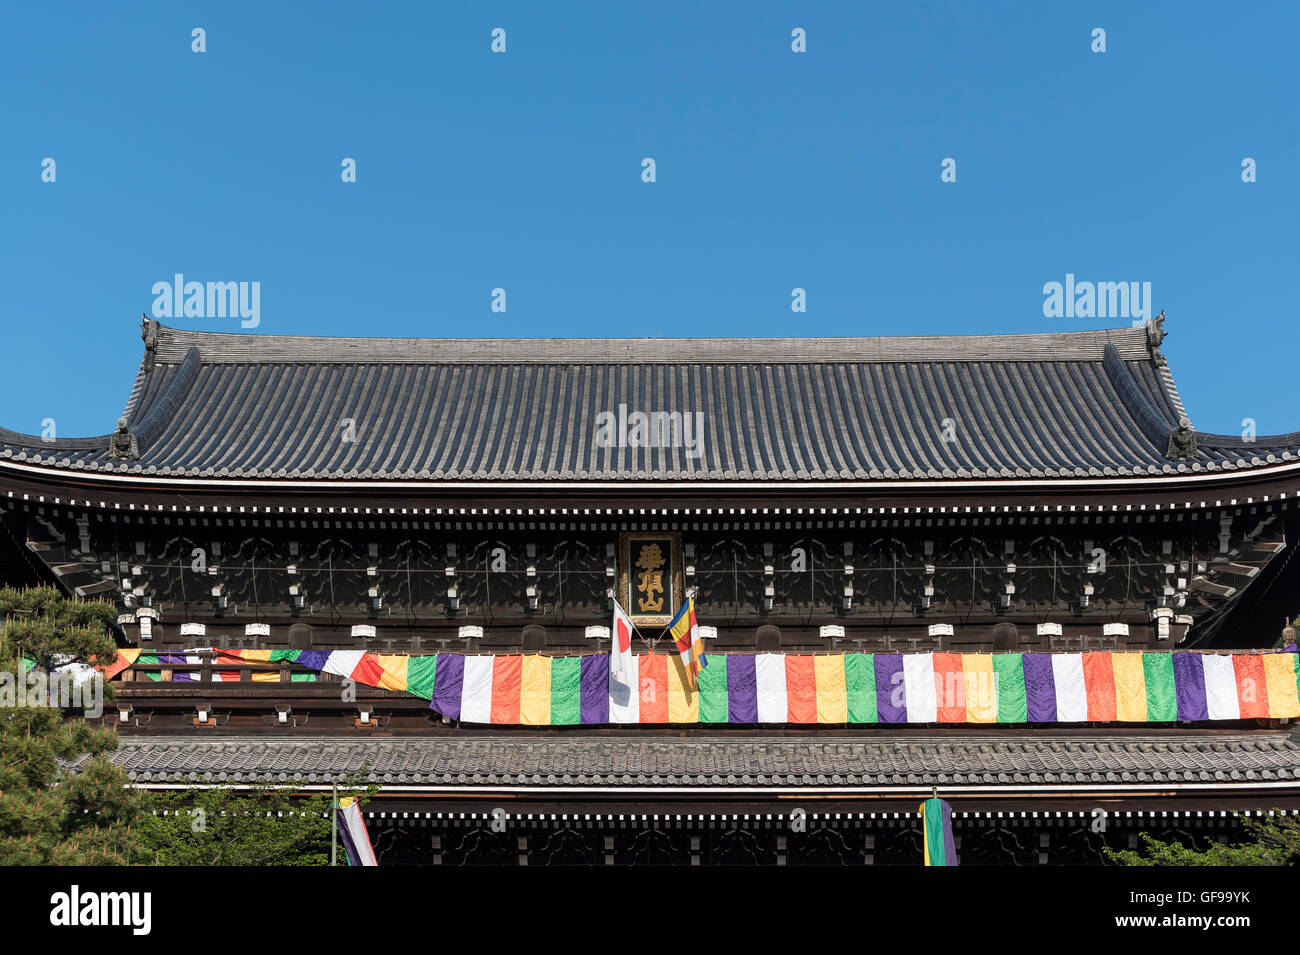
891 702
1040 688
594 705
742 690
313 659
448 679
949 843
1189 687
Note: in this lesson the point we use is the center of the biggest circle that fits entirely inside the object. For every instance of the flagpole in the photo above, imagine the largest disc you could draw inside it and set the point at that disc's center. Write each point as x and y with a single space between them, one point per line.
649 642
334 823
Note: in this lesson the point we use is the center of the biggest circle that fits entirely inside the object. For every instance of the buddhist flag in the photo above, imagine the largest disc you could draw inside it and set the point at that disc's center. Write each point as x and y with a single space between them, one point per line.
936 821
686 635
699 660
352 830
622 665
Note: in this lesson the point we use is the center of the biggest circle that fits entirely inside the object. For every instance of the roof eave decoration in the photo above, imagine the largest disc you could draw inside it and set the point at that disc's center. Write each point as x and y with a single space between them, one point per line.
1155 337
122 443
1182 442
149 332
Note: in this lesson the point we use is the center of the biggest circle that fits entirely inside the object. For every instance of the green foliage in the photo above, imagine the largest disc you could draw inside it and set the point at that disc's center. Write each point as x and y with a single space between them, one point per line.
220 826
45 625
1274 841
62 801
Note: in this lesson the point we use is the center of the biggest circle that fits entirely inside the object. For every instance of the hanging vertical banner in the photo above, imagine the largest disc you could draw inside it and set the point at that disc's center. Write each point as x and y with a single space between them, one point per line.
936 824
621 662
352 830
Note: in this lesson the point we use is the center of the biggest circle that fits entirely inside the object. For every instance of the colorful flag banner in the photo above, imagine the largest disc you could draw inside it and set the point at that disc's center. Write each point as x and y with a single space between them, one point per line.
679 629
788 688
685 632
352 830
936 824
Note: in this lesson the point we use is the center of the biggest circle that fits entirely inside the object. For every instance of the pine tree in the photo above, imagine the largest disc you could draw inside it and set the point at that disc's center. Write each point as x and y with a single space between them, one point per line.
1269 841
62 800
266 825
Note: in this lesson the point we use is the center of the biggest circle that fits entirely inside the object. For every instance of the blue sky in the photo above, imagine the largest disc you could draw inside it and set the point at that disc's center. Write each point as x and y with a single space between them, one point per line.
522 171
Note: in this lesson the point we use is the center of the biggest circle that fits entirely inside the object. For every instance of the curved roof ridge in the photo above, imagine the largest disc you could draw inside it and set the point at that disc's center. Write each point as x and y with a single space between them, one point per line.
1171 389
137 389
146 422
20 440
1150 421
160 412
1207 439
233 347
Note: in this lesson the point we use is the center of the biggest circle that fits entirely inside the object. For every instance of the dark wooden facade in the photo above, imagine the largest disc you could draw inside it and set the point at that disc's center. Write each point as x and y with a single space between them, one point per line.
1076 510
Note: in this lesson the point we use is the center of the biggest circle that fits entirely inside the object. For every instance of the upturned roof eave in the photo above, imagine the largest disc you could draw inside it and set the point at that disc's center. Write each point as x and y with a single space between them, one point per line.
1028 486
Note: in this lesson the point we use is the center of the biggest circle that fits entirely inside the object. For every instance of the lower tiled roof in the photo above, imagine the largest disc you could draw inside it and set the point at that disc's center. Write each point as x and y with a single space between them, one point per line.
461 762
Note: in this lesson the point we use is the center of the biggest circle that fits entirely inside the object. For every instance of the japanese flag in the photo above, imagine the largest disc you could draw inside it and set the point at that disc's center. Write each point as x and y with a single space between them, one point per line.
622 665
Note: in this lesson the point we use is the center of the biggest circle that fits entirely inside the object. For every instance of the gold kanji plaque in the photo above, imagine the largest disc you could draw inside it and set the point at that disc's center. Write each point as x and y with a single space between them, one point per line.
650 576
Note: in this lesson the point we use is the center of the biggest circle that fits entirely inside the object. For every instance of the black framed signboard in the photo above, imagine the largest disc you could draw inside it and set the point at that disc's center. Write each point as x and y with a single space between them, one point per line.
650 576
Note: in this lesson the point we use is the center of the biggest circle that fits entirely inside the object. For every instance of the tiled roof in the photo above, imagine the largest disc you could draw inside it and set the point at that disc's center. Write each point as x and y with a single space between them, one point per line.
174 344
1090 404
709 762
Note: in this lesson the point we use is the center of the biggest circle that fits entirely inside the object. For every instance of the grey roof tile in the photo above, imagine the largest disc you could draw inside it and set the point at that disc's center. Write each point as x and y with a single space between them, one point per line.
1058 405
602 761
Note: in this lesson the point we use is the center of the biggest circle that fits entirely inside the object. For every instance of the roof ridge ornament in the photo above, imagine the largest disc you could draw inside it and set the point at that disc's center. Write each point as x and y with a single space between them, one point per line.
122 443
1182 441
1156 335
149 332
